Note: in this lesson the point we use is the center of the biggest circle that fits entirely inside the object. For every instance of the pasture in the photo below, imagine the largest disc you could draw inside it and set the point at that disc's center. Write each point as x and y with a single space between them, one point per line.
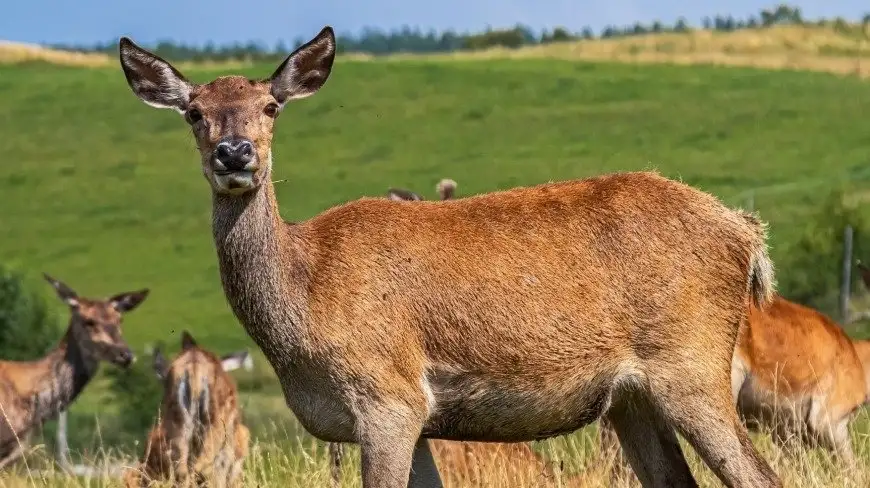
108 195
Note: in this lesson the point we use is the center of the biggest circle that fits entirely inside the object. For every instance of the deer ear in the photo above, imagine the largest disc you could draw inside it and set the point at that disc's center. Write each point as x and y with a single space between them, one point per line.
65 293
236 360
125 302
305 71
187 340
400 194
153 80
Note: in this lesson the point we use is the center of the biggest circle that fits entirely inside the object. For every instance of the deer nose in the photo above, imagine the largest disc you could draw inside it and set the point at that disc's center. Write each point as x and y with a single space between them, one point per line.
125 358
234 154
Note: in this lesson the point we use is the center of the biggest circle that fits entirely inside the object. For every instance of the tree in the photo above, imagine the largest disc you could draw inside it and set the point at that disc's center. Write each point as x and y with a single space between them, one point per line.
681 25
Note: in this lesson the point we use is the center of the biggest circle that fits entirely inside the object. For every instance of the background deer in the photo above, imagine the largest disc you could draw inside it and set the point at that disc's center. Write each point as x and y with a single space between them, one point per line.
797 372
32 392
199 435
229 362
508 316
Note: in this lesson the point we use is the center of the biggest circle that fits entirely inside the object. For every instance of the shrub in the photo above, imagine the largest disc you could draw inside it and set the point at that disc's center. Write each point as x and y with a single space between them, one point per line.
27 328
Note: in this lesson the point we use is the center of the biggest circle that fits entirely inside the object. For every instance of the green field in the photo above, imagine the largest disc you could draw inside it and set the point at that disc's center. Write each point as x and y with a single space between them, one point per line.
106 193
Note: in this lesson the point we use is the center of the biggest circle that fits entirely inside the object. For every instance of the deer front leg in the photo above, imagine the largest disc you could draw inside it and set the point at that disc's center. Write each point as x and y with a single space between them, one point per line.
14 455
336 451
390 446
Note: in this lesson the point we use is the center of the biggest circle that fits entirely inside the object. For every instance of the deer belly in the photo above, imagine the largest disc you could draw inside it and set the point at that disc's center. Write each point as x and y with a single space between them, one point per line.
320 410
511 410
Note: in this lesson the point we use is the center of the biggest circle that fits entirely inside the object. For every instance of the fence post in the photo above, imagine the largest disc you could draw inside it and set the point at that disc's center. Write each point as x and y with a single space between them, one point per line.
62 444
845 285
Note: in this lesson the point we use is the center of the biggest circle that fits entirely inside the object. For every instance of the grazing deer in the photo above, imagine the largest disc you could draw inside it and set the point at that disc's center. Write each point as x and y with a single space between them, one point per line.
199 435
797 372
509 316
32 392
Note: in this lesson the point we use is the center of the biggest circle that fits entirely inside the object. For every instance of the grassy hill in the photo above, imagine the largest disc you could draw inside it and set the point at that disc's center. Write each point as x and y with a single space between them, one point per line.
106 193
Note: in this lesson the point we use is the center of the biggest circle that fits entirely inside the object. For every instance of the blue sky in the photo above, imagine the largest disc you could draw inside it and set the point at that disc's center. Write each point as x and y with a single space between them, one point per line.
224 21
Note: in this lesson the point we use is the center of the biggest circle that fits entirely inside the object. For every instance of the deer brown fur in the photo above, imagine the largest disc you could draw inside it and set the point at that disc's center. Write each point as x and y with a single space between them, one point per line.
796 371
199 436
465 462
507 316
32 392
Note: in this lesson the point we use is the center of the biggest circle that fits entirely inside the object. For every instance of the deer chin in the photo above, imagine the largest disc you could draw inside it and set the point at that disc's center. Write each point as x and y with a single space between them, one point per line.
235 182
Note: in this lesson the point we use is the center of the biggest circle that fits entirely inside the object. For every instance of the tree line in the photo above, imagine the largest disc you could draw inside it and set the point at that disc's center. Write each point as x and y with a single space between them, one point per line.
414 40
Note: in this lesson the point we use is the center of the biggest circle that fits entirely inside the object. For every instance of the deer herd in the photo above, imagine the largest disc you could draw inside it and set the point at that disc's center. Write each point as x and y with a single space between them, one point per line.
443 335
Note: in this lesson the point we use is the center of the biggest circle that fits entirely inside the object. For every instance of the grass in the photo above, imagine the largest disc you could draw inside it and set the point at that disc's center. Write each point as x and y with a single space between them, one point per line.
576 460
106 193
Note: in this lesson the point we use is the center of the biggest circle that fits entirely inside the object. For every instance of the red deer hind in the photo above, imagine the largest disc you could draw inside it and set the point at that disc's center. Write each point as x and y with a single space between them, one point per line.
32 392
199 436
506 317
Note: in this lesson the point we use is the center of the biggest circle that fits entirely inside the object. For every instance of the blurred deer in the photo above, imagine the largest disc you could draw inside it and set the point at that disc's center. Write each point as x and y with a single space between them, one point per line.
199 436
507 316
32 392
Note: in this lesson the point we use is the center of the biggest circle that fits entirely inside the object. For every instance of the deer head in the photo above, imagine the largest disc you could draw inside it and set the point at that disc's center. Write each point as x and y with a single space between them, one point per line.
229 362
95 325
231 117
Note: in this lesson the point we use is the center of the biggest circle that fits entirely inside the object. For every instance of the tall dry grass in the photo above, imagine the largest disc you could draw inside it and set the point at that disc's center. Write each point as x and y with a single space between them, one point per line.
576 460
809 48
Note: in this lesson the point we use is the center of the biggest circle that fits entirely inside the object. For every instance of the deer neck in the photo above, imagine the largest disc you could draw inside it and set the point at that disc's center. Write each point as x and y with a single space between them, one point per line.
67 371
263 268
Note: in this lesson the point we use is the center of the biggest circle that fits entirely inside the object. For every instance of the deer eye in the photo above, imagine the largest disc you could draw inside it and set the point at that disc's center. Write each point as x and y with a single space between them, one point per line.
193 116
271 110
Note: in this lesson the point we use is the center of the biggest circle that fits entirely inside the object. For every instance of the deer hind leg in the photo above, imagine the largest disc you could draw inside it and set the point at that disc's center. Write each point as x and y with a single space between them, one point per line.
696 398
648 443
830 430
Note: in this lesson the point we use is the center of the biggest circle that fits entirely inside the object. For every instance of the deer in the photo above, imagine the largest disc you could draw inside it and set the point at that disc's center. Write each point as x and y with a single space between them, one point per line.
199 436
798 373
32 392
464 461
229 362
509 316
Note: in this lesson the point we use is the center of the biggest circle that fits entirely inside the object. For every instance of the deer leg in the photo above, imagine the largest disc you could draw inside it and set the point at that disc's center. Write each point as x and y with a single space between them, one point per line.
335 453
390 447
649 444
698 403
14 455
611 453
424 472
831 434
